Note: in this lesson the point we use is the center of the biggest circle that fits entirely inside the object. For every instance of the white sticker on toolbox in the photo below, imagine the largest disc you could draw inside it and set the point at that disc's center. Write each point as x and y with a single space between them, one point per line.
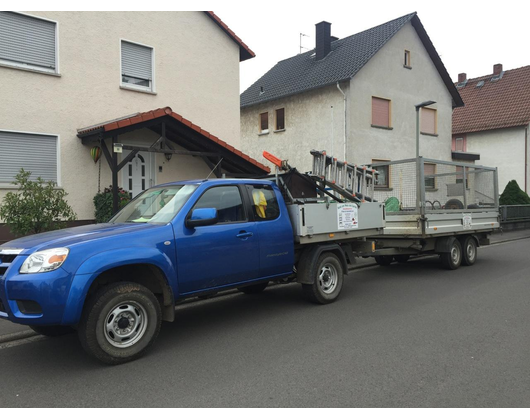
347 216
466 220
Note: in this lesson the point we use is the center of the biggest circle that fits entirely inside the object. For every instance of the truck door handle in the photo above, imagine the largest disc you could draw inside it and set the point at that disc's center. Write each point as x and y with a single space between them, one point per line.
244 235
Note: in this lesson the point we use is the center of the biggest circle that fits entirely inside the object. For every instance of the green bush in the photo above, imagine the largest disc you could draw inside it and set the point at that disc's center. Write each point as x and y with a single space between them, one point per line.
103 203
512 195
37 207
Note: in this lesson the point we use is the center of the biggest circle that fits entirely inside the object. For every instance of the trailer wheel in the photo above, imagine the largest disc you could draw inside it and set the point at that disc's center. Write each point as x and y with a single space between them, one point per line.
52 330
254 288
384 259
328 279
402 259
120 323
469 251
452 259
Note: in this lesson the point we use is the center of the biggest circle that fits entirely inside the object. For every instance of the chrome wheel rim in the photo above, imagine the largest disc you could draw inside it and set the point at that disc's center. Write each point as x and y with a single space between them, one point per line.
455 255
328 279
471 252
125 324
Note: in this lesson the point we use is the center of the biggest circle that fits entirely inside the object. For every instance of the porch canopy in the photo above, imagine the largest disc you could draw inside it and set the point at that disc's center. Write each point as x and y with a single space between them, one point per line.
173 129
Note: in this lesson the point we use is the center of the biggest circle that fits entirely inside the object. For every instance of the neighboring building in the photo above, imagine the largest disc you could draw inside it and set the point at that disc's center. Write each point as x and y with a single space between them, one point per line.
355 98
64 73
495 122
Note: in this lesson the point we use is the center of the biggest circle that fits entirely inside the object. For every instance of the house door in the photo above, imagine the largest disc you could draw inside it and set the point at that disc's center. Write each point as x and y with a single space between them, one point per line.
138 174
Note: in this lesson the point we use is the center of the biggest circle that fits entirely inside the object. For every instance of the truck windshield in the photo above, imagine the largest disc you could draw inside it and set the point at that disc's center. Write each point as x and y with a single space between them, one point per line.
156 205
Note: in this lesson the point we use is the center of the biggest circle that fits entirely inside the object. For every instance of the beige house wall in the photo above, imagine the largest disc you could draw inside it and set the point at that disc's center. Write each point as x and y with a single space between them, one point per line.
196 73
315 119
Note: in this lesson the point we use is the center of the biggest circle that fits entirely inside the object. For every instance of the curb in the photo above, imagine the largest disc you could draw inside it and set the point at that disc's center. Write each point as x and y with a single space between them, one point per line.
17 336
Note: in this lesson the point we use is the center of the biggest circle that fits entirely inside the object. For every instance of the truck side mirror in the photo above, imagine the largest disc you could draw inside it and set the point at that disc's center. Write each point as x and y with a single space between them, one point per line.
202 217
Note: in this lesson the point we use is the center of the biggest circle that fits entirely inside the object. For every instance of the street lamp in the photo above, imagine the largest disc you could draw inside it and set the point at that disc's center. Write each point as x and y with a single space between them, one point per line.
422 105
418 169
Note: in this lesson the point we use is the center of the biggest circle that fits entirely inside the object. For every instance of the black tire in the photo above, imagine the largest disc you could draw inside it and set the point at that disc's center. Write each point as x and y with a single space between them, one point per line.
384 259
254 288
452 259
469 250
327 280
402 259
52 330
107 320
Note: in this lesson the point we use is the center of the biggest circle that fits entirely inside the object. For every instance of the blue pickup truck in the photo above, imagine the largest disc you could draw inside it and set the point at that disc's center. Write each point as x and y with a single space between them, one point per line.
116 282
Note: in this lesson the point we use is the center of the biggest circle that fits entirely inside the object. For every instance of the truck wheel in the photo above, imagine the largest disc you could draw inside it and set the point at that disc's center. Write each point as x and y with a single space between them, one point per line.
328 279
402 259
254 288
52 330
469 251
120 323
452 259
384 259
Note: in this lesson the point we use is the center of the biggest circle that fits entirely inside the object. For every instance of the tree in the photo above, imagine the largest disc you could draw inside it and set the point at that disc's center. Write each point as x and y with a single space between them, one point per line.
512 195
37 207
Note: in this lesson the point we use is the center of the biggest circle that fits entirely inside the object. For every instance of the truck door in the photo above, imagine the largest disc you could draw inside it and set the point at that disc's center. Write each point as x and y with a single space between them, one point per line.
274 229
220 254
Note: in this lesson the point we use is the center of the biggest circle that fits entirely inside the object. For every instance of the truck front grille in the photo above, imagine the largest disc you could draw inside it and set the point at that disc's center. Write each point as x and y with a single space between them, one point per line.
7 256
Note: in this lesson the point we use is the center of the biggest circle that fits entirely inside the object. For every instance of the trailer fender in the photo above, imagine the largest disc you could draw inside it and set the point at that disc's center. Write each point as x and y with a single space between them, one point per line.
444 244
309 258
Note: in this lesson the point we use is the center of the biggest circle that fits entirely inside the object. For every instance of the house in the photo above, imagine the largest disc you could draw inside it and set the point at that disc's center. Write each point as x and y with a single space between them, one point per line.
495 122
355 98
163 85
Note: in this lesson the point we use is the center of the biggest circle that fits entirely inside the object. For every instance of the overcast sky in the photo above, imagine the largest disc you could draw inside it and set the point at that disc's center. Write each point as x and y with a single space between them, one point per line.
468 42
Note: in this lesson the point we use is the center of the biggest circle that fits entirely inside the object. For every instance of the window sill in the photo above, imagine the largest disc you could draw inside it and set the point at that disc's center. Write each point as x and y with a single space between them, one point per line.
407 67
383 188
382 128
133 89
279 131
428 134
30 69
431 189
263 133
11 187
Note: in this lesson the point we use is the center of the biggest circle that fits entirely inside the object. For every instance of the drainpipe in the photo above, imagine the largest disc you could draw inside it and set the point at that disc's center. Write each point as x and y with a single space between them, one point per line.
340 90
526 160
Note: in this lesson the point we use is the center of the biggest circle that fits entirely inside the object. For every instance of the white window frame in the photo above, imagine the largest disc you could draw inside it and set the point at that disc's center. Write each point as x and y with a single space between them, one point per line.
29 67
129 86
9 185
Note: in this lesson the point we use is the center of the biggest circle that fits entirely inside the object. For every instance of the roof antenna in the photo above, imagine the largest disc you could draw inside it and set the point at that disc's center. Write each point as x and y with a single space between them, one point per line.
301 35
214 168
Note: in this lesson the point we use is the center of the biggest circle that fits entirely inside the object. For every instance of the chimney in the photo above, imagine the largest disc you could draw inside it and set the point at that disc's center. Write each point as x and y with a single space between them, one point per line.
497 69
462 77
323 36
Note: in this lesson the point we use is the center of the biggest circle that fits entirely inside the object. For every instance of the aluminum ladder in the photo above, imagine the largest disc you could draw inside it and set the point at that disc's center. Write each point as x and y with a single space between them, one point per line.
354 182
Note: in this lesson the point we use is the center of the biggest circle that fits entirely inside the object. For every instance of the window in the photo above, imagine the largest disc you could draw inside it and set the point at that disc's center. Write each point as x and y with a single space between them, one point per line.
36 153
460 175
380 112
280 119
137 66
406 62
28 42
429 170
264 203
428 121
227 201
264 123
383 177
459 144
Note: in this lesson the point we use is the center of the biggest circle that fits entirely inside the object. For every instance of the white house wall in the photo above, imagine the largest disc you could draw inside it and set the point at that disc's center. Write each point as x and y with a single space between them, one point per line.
196 73
504 149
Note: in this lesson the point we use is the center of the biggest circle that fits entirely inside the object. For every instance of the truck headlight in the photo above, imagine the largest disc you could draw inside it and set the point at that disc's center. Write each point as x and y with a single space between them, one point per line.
43 261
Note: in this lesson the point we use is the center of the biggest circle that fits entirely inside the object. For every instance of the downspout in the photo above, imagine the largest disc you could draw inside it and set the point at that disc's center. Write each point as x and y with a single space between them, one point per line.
526 159
344 95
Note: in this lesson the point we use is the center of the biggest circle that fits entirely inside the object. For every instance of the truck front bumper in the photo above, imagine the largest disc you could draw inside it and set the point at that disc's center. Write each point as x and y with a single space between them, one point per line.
34 299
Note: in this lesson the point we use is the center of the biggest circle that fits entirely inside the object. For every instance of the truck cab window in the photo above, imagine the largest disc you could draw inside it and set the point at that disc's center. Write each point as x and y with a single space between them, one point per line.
227 201
264 203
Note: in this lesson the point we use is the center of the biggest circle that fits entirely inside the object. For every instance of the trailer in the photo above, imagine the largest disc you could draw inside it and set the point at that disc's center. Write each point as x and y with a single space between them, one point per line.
425 207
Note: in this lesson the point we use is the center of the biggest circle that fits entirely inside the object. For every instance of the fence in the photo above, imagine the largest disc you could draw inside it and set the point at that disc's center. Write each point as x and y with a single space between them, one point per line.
444 186
515 213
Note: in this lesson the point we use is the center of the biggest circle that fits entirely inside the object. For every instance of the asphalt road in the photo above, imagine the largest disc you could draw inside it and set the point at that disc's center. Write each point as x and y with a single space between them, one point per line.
411 335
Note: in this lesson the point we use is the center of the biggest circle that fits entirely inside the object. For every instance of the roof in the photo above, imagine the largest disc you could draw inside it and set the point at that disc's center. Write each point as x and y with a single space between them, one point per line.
244 51
142 117
496 104
302 72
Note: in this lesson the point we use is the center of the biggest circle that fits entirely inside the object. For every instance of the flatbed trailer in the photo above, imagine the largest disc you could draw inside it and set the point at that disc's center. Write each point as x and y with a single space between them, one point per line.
426 207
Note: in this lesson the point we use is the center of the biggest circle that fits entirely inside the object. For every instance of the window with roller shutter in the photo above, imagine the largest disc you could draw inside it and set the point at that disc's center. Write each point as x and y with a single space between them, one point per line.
36 153
137 66
428 121
381 112
28 42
